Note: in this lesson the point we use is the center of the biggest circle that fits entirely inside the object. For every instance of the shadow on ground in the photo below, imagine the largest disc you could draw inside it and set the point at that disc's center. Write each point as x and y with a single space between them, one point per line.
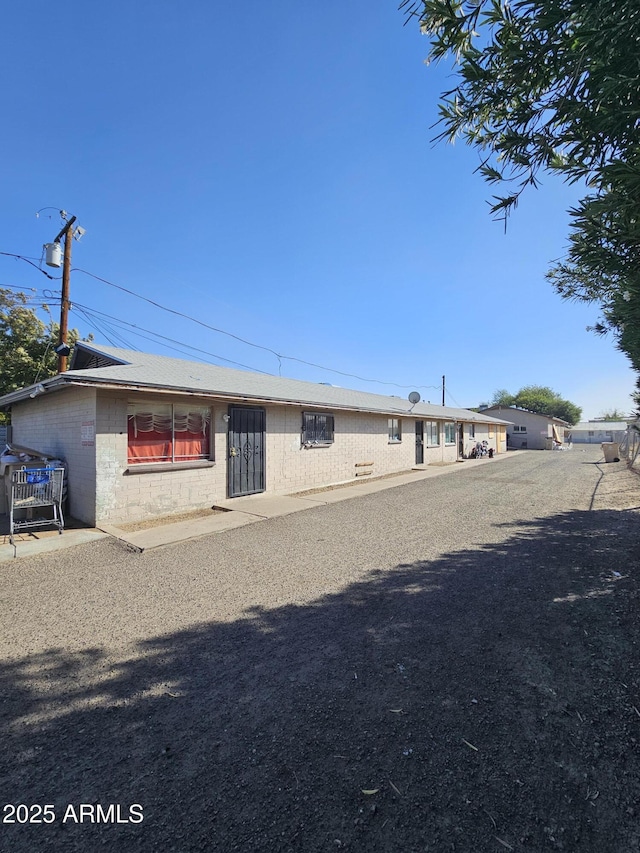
487 700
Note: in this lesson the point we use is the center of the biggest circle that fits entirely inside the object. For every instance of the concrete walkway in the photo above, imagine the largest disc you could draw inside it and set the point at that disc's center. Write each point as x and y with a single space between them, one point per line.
234 512
41 542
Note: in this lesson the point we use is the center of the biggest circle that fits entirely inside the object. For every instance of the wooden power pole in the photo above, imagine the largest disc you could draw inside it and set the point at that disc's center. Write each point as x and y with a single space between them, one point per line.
63 349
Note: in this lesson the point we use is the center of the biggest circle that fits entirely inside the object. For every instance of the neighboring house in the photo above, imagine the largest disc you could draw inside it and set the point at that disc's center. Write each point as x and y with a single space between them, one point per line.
529 430
597 432
146 435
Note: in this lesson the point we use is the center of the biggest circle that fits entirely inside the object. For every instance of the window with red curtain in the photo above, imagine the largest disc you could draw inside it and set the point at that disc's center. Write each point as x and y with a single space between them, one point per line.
164 432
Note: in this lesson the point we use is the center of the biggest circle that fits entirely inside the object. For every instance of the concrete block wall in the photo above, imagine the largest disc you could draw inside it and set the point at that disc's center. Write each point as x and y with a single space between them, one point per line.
53 424
494 435
88 428
125 494
359 437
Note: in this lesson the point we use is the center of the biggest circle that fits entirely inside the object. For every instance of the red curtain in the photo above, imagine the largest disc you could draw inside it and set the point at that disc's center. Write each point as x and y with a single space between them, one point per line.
157 445
190 445
151 446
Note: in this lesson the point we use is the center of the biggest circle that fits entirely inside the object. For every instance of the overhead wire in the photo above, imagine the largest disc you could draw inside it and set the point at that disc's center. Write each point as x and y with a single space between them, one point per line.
28 261
105 329
449 394
157 336
278 355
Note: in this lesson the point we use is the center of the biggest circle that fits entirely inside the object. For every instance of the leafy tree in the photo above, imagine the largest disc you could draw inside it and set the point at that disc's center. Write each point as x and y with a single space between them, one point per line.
552 85
542 400
503 398
26 343
614 415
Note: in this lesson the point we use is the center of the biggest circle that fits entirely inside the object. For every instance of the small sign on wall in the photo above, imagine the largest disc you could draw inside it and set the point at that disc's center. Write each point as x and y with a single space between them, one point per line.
88 433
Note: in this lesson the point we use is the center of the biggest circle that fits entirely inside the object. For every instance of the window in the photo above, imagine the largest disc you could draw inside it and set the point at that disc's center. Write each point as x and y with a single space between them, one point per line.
164 432
395 430
432 433
449 433
317 429
519 429
472 430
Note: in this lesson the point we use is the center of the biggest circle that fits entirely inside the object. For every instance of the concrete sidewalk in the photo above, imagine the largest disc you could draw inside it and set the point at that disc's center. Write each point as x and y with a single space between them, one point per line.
234 512
41 542
237 512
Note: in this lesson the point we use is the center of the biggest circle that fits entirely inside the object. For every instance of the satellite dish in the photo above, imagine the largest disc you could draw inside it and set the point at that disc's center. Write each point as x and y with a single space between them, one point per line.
414 398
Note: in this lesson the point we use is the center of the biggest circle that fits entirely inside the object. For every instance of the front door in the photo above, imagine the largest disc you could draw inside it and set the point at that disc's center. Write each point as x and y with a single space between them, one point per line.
419 442
246 450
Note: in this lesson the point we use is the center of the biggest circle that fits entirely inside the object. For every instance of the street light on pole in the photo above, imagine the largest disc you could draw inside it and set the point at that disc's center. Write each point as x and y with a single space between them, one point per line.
53 253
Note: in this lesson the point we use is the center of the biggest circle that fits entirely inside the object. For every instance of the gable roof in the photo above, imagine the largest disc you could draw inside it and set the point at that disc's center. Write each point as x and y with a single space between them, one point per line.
112 367
508 412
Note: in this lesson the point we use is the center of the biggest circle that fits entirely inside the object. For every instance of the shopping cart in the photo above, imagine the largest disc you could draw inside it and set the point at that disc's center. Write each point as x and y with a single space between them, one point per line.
34 488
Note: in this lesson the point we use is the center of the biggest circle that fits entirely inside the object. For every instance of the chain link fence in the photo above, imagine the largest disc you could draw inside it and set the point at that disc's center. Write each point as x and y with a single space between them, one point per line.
630 446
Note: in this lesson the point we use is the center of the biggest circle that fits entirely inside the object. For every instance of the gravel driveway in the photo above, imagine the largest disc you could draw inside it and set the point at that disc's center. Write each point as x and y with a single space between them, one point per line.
451 665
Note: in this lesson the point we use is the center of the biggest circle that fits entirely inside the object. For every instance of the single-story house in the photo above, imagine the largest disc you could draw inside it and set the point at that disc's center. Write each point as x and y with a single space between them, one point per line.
146 435
597 432
528 429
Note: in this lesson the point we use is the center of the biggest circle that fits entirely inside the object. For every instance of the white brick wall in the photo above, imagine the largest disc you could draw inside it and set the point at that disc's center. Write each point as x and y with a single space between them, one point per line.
104 488
52 423
124 494
359 437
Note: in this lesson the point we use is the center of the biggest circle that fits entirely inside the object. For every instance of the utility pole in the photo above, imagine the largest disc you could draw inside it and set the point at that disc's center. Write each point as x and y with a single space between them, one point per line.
63 349
53 260
443 390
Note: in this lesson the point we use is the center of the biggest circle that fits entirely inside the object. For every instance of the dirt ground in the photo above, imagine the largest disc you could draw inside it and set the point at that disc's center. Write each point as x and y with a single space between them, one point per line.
481 697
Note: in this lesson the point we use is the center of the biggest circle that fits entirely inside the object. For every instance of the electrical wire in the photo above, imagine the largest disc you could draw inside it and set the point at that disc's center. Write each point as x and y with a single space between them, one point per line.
156 335
27 261
244 340
449 394
106 329
19 287
279 356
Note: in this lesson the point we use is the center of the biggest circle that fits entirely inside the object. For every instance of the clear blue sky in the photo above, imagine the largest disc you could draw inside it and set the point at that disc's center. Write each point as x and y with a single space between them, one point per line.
268 169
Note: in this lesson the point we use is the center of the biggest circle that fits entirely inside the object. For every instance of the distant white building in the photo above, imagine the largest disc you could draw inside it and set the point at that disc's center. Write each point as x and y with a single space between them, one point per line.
597 432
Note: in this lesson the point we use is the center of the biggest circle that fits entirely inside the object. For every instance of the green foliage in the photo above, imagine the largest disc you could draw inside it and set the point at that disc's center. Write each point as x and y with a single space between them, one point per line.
553 86
542 400
26 343
614 415
503 398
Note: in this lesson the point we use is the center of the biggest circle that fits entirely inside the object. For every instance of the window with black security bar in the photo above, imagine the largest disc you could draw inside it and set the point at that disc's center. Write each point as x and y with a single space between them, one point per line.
317 428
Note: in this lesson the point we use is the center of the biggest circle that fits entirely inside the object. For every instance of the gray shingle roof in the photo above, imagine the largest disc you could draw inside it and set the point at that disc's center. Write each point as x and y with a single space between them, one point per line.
132 369
510 412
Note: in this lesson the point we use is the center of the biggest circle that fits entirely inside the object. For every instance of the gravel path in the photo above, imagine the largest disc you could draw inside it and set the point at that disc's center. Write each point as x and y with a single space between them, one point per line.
466 647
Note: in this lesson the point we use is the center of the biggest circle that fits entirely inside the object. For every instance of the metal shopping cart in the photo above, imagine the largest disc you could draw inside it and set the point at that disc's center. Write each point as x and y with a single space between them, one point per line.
34 488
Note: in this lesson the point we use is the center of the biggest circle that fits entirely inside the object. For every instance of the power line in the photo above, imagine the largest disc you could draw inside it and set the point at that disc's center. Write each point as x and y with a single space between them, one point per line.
27 261
105 329
156 335
449 394
278 355
184 316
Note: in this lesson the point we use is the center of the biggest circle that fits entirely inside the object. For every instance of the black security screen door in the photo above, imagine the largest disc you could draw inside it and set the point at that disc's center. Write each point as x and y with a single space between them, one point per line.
246 450
419 442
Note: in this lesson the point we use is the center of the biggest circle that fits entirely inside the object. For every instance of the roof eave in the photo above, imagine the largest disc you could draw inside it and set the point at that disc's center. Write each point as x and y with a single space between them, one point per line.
64 380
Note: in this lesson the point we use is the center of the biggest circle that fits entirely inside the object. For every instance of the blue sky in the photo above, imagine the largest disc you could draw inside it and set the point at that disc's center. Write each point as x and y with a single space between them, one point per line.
268 169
